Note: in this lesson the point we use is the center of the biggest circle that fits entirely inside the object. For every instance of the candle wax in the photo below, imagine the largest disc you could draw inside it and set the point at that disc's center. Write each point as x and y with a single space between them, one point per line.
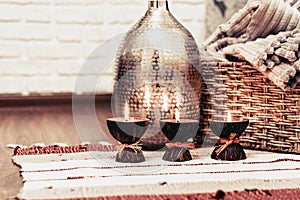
131 119
183 121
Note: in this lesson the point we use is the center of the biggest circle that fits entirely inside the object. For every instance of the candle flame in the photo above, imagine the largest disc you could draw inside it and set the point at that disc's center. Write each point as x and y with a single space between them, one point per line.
165 102
177 115
229 118
147 96
126 112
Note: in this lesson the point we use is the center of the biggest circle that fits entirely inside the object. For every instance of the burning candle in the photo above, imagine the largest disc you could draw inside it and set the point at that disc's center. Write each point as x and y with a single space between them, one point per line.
126 112
177 115
229 131
128 131
183 129
178 119
229 118
225 128
127 119
178 131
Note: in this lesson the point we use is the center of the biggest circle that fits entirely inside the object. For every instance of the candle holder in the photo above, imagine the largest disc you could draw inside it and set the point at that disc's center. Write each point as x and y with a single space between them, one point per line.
128 133
178 132
229 148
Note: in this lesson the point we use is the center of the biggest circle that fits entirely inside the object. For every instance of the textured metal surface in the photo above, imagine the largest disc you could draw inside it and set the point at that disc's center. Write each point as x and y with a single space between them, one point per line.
158 57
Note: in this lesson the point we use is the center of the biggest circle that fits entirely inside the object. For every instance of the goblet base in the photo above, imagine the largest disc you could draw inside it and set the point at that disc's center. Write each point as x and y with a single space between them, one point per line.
233 152
130 155
177 154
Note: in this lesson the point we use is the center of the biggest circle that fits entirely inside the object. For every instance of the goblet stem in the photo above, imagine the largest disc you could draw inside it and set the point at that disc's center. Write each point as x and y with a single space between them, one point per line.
178 152
233 152
130 155
229 149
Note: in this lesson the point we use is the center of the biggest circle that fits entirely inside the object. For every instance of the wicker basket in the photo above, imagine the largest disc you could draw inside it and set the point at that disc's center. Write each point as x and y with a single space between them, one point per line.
273 113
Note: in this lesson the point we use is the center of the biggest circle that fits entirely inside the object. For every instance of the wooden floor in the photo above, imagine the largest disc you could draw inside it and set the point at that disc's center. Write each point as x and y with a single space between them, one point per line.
46 123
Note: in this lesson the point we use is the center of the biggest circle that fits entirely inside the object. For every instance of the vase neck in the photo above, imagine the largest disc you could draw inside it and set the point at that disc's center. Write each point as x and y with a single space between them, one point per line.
158 4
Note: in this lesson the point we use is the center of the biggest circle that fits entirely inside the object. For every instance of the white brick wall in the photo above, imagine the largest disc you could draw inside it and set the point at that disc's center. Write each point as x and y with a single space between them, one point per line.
43 43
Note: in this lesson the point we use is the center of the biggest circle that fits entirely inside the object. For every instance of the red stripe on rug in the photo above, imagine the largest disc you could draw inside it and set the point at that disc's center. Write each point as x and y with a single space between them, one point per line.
60 150
247 194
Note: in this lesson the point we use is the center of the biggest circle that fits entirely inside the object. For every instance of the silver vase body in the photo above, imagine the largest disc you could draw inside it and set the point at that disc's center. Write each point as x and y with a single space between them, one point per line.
157 69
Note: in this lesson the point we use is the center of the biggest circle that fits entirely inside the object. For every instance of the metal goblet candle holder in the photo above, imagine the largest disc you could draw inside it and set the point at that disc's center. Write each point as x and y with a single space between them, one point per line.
178 132
128 133
229 148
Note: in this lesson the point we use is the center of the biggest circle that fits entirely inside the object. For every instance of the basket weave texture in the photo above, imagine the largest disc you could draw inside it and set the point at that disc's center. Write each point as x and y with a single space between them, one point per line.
273 113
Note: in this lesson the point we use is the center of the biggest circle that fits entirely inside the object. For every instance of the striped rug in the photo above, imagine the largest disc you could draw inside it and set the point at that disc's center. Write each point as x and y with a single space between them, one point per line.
90 172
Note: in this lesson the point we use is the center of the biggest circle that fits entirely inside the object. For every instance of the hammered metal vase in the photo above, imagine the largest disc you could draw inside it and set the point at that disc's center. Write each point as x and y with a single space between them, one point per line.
157 70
